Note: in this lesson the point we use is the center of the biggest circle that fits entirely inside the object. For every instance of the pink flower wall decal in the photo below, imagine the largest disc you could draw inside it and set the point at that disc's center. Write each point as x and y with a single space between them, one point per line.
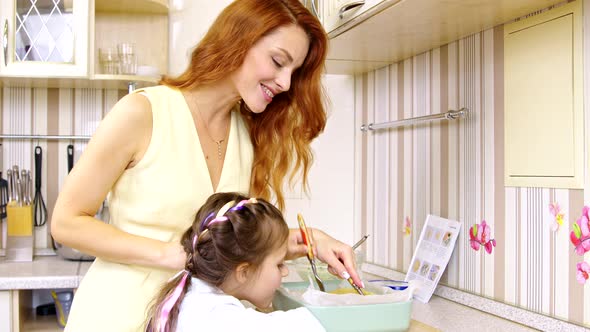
479 235
558 216
580 236
407 226
583 272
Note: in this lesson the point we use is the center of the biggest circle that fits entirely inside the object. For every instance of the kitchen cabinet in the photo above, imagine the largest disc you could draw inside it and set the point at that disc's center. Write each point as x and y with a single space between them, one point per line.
18 282
389 31
44 38
86 27
314 7
338 12
544 117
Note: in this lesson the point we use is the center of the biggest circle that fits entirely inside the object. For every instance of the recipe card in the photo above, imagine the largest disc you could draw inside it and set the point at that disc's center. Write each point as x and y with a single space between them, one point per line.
432 254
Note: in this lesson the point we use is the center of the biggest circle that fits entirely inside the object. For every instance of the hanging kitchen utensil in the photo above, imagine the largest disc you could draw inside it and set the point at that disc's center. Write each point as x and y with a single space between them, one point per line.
4 198
39 209
70 158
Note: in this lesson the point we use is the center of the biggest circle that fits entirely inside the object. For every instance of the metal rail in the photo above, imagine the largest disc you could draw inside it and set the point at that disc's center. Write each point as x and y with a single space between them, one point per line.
48 137
450 115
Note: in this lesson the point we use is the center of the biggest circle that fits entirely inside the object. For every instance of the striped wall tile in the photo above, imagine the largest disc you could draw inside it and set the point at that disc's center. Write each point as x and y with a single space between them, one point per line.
41 111
406 159
455 169
381 169
396 216
586 50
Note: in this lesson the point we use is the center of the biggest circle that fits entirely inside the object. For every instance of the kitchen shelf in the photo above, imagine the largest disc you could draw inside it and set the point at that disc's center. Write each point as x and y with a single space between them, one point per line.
33 323
132 6
395 30
96 82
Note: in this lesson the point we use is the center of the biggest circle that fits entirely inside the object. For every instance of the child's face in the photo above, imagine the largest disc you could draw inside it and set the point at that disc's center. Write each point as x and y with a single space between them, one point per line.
265 281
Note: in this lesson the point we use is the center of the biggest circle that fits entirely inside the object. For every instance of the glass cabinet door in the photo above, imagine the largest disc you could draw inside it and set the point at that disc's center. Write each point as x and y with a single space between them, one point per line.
45 38
314 7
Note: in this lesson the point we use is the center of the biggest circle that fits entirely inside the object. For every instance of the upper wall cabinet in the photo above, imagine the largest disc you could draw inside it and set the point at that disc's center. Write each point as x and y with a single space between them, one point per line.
543 104
83 43
44 37
379 33
338 12
314 7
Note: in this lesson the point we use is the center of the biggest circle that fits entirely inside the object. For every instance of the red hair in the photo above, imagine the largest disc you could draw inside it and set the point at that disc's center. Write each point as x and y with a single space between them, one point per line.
281 135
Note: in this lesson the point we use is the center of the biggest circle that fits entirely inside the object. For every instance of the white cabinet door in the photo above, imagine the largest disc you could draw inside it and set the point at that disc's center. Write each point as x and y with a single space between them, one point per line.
543 100
44 38
338 12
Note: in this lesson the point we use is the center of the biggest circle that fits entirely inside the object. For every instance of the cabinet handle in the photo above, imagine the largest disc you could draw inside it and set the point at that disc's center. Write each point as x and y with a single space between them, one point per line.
5 42
349 6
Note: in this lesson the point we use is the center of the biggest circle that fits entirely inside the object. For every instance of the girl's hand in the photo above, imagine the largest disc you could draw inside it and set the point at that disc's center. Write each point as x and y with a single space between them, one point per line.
339 256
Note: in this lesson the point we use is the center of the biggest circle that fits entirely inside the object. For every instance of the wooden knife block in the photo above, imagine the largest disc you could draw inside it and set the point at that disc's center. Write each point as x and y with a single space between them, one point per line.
19 233
20 220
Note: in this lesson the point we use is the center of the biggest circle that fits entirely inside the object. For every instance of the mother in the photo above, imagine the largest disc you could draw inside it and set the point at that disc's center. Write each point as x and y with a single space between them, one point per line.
240 118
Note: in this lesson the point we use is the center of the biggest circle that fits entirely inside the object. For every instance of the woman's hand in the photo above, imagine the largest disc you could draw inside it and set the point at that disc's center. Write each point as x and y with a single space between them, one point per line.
295 246
339 256
173 256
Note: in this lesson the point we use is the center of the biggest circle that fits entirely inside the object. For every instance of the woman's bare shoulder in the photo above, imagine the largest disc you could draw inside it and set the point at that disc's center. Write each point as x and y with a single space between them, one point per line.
127 127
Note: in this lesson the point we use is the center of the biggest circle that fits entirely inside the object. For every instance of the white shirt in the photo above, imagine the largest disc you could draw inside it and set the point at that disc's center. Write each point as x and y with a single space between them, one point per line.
207 308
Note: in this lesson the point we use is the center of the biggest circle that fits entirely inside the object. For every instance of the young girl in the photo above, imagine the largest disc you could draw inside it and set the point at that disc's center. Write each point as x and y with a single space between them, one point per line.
235 248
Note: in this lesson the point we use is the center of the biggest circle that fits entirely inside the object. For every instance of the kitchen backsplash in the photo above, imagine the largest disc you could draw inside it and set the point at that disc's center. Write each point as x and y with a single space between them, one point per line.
42 111
455 169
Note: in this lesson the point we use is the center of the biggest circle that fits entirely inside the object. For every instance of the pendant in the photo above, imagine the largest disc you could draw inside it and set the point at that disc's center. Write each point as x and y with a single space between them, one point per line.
219 148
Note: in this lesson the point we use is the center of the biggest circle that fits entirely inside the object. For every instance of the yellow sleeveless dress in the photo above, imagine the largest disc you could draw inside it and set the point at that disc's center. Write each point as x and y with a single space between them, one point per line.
158 198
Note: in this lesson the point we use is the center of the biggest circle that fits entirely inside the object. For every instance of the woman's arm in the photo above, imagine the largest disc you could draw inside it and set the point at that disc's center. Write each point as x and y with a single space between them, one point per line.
118 144
339 256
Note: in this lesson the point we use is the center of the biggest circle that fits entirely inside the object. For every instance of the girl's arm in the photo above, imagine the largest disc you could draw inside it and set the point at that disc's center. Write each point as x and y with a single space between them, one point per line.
118 144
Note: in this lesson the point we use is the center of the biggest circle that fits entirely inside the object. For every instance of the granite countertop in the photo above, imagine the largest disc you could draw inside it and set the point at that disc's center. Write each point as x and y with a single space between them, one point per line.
439 314
447 315
42 273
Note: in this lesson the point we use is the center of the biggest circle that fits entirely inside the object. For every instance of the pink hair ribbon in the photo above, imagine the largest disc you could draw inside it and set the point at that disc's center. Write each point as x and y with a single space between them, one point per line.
171 300
220 216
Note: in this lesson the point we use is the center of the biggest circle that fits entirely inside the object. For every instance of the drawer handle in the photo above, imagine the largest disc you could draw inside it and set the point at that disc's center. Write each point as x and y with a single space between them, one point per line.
349 6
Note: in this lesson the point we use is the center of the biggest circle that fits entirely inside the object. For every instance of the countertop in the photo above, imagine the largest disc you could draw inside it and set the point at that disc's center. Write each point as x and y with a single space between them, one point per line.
43 272
438 314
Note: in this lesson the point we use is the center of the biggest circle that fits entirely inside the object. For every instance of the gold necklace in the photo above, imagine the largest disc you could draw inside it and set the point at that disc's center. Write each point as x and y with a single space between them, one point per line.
218 142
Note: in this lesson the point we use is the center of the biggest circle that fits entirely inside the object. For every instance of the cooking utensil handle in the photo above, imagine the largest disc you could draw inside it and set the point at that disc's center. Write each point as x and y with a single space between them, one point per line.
70 157
17 192
15 172
38 165
10 185
30 187
361 241
305 235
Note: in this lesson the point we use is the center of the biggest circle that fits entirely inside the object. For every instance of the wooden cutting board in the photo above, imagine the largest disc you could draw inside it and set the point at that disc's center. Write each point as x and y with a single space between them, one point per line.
416 326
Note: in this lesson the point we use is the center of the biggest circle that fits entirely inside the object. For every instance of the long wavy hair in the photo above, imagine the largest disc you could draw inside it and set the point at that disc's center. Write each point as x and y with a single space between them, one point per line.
281 135
250 234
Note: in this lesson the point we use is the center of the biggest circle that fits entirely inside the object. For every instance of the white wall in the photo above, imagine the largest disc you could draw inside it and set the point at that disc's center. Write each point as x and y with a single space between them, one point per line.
189 21
330 205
